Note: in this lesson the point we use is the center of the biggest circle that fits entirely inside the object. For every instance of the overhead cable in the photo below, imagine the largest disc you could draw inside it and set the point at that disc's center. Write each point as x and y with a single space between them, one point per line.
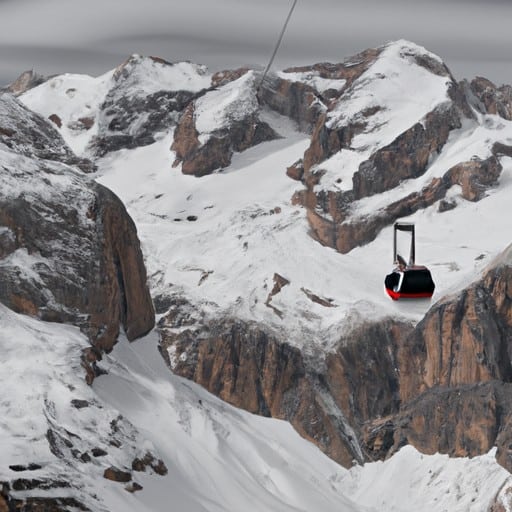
277 45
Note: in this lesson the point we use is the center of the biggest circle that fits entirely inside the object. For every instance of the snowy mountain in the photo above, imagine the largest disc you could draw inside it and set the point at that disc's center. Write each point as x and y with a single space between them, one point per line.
264 213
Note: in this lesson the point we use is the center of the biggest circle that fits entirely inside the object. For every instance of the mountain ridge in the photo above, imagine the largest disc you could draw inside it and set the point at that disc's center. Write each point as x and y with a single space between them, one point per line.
257 311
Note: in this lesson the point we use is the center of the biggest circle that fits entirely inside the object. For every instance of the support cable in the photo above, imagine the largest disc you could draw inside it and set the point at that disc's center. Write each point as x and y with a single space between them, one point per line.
277 46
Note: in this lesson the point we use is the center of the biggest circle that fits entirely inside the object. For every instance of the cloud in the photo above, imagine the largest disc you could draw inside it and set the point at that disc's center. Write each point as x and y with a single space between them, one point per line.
471 35
50 60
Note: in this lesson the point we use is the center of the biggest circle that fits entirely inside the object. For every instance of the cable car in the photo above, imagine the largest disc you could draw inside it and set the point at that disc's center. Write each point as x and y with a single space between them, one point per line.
408 280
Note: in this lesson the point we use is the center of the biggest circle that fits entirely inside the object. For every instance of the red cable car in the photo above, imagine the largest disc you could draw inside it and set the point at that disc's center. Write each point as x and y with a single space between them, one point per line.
408 280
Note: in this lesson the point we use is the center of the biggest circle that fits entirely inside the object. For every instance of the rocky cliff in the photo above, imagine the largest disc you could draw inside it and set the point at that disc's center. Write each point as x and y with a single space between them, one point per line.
251 368
456 372
70 252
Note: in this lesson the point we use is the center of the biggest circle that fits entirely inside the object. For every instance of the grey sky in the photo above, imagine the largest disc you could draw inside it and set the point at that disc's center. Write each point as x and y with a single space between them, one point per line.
55 36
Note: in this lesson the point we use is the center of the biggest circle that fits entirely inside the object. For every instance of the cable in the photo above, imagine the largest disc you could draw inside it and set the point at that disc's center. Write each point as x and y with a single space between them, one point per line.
277 46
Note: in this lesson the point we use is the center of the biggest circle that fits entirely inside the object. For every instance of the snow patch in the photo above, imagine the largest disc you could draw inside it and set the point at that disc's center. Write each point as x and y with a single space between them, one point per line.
76 100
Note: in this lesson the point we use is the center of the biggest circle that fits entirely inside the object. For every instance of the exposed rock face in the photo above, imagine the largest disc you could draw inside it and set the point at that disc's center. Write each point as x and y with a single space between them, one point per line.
407 156
229 75
455 376
328 140
26 81
122 272
465 419
349 70
295 100
474 179
63 503
461 421
363 375
201 159
71 251
464 340
83 253
305 93
326 402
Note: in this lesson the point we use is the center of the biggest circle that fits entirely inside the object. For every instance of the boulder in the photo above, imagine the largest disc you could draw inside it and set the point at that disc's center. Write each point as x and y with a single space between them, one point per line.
492 99
117 475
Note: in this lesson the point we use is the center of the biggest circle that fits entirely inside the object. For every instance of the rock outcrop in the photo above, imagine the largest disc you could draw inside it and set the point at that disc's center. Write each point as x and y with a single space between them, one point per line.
25 133
492 99
64 503
474 178
408 156
71 252
219 123
300 94
26 81
464 340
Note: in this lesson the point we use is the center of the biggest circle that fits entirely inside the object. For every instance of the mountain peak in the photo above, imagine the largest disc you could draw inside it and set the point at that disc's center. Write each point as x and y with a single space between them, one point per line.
146 75
414 53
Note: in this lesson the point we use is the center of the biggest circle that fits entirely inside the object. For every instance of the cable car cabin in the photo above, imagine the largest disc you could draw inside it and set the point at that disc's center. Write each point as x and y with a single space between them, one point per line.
408 281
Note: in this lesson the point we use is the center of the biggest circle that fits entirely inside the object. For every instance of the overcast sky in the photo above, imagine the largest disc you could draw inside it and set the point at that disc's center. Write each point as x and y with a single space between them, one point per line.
474 37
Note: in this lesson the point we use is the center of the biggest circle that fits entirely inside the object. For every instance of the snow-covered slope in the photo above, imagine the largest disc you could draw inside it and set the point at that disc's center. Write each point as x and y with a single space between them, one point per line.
78 100
389 98
218 458
240 241
55 429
